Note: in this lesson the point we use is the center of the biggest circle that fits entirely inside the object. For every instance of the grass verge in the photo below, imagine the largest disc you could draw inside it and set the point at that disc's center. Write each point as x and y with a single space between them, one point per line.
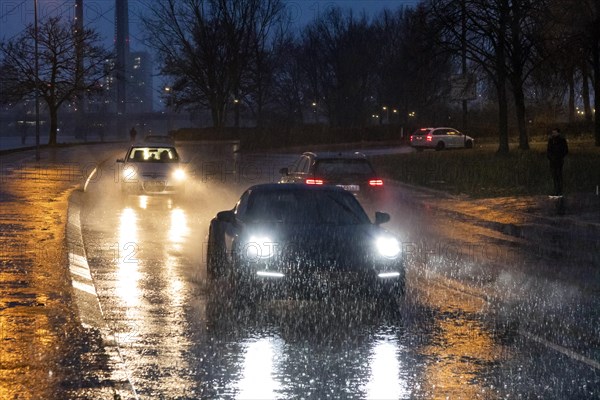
481 172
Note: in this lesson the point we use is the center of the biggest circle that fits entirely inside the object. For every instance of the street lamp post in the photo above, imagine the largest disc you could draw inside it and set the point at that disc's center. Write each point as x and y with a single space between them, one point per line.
169 92
37 83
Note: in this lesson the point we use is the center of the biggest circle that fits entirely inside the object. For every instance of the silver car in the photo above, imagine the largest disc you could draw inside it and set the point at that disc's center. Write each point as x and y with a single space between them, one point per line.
152 170
440 139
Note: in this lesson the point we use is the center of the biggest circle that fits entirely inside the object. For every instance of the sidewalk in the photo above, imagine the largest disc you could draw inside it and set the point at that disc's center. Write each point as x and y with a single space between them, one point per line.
46 352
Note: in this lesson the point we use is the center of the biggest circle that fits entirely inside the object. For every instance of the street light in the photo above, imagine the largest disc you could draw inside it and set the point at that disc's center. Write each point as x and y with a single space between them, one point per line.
169 105
236 111
37 83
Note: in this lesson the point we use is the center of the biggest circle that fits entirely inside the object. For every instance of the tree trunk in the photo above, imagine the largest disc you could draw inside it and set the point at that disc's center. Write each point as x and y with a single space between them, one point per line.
521 117
502 118
53 126
501 75
596 67
585 92
571 81
218 114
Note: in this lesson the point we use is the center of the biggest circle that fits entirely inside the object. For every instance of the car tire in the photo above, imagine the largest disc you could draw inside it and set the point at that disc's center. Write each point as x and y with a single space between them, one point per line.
469 144
440 146
216 257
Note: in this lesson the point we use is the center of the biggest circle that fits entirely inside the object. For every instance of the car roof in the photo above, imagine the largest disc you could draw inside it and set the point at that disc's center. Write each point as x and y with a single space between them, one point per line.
335 155
152 145
437 127
295 187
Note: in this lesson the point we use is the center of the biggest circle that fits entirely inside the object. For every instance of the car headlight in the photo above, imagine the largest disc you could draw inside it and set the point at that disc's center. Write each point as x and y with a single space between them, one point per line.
179 174
258 248
387 246
129 173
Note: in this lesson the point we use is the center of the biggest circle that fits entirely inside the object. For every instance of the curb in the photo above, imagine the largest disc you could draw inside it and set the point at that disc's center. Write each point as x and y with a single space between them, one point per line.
87 302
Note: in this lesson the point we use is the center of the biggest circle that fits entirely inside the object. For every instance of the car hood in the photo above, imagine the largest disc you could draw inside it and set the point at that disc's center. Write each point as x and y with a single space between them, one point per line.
154 167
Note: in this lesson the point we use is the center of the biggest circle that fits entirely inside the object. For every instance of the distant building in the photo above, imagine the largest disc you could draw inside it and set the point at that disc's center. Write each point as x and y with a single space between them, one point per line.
139 82
138 85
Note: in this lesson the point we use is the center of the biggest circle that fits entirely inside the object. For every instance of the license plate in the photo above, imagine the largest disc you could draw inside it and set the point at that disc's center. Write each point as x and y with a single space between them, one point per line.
350 188
154 186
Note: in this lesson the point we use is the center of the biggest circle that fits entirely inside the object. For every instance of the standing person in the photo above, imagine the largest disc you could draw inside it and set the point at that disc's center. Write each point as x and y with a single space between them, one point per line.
132 133
557 150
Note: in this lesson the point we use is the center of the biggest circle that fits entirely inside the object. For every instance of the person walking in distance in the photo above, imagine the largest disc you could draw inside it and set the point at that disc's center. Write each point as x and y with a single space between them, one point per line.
132 134
557 150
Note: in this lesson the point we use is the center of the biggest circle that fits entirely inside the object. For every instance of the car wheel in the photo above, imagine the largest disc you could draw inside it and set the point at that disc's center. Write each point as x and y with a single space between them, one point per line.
440 146
469 144
216 257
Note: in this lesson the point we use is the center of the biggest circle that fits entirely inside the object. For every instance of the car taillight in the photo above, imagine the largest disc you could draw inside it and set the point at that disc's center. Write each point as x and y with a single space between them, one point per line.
429 137
311 181
411 137
376 182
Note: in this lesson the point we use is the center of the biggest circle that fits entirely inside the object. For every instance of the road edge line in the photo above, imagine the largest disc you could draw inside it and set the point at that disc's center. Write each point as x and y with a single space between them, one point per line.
86 298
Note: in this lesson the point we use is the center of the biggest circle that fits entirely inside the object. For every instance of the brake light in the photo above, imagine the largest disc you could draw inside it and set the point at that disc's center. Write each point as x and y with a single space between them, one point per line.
411 137
311 181
376 182
429 137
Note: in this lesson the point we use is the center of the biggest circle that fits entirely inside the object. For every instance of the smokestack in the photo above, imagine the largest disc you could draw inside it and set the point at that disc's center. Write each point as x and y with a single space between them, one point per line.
122 50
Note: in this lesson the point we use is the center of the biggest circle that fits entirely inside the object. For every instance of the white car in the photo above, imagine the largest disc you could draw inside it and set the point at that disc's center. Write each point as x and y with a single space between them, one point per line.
440 139
148 169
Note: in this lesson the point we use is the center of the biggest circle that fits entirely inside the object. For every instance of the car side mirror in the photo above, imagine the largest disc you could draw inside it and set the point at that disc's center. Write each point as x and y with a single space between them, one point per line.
381 217
284 171
120 160
226 216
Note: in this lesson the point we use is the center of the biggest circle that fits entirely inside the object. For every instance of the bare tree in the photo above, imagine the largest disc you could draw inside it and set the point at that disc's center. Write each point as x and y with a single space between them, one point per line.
207 46
485 41
341 64
579 23
60 80
414 70
502 38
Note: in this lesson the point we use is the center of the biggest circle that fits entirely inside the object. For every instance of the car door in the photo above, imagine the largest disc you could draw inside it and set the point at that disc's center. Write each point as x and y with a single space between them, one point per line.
451 138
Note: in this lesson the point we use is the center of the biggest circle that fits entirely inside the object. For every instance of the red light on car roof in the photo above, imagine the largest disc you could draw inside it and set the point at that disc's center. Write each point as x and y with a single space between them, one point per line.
376 182
311 181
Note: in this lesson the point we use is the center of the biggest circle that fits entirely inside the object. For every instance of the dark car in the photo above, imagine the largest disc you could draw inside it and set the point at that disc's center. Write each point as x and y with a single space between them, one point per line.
350 171
304 241
152 169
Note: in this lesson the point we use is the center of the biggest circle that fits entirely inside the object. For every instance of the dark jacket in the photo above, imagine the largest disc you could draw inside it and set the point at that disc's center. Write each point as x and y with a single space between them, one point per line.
557 149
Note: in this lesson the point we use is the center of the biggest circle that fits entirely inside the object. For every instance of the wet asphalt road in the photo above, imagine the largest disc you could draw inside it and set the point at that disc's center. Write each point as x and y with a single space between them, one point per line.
476 323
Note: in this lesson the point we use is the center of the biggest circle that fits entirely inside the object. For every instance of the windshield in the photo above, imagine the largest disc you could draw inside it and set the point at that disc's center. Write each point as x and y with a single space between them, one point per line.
343 167
305 207
153 154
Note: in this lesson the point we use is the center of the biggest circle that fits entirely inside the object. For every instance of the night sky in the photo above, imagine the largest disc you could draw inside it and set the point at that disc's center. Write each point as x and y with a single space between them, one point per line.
15 15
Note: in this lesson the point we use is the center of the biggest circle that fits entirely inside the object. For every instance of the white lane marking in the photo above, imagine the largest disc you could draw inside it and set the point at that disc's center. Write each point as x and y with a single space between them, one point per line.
82 272
560 349
89 178
84 287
